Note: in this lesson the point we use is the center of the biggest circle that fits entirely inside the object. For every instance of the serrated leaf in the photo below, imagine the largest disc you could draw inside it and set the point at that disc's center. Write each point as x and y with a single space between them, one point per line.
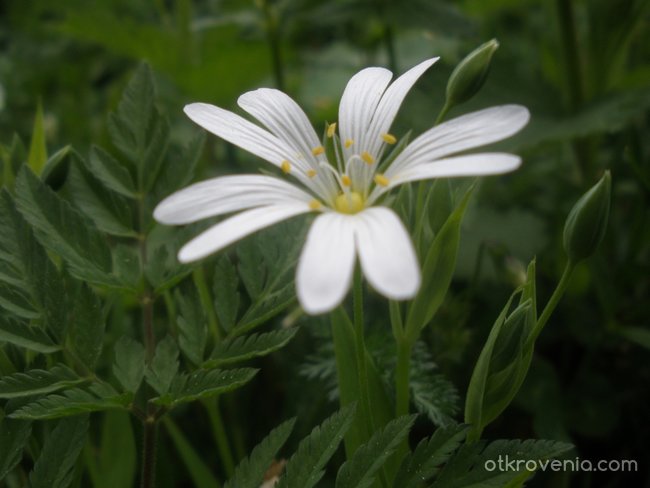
63 230
54 467
23 335
467 468
111 172
226 293
164 366
192 324
14 435
239 349
178 169
38 382
361 469
306 467
129 363
429 455
37 148
86 330
202 384
250 471
107 209
97 397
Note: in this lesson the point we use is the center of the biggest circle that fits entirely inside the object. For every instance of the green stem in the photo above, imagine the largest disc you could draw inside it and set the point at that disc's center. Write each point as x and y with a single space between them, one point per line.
404 350
274 44
361 352
443 112
206 302
553 301
220 436
149 454
569 40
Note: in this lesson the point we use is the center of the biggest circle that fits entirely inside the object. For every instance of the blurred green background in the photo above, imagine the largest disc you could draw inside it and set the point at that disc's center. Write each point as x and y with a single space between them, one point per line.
582 68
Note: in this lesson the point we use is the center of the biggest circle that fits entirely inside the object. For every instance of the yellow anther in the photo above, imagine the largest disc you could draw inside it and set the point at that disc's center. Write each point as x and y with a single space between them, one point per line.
331 129
348 143
318 150
381 180
311 173
285 166
389 138
345 180
315 205
365 155
349 203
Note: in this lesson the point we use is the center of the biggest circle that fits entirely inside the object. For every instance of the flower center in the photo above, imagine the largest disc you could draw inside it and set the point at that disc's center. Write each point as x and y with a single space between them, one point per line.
349 203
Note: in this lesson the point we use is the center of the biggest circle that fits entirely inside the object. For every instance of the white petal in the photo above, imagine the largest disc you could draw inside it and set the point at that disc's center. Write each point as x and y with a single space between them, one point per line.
387 257
239 131
462 133
471 165
326 264
226 194
234 228
390 104
283 117
358 104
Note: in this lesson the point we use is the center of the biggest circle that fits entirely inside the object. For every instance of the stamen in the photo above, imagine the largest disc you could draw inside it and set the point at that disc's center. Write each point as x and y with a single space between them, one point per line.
381 180
331 129
315 205
318 150
389 138
348 143
311 173
285 166
365 155
345 180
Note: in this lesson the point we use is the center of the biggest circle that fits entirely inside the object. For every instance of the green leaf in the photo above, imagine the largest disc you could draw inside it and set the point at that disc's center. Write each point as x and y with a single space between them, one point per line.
113 462
63 230
14 435
467 468
37 148
111 172
437 271
638 335
250 471
429 455
306 467
99 396
361 469
110 211
17 302
202 384
54 467
240 349
226 293
179 168
23 335
192 324
164 366
56 166
129 363
197 469
38 382
86 331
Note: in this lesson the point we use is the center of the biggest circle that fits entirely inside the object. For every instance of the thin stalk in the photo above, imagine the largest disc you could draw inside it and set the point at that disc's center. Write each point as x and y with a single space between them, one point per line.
553 301
443 112
149 453
402 393
361 352
206 302
220 436
270 17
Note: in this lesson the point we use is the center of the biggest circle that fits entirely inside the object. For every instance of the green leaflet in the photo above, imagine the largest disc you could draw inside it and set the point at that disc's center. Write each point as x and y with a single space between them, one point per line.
239 349
202 384
23 335
226 294
37 148
250 471
192 324
14 435
306 467
38 382
361 470
54 468
113 174
429 455
63 230
86 329
164 366
129 363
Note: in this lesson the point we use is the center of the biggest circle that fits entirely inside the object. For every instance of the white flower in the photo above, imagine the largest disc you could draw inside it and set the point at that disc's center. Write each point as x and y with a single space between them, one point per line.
344 192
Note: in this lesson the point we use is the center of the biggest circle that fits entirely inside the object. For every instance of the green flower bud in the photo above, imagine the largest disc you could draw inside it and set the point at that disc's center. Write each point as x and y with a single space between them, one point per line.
586 224
470 74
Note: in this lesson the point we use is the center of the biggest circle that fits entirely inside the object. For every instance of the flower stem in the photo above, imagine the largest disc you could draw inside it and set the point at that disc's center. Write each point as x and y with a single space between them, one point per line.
404 350
361 353
443 112
149 453
273 38
553 301
219 433
198 275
